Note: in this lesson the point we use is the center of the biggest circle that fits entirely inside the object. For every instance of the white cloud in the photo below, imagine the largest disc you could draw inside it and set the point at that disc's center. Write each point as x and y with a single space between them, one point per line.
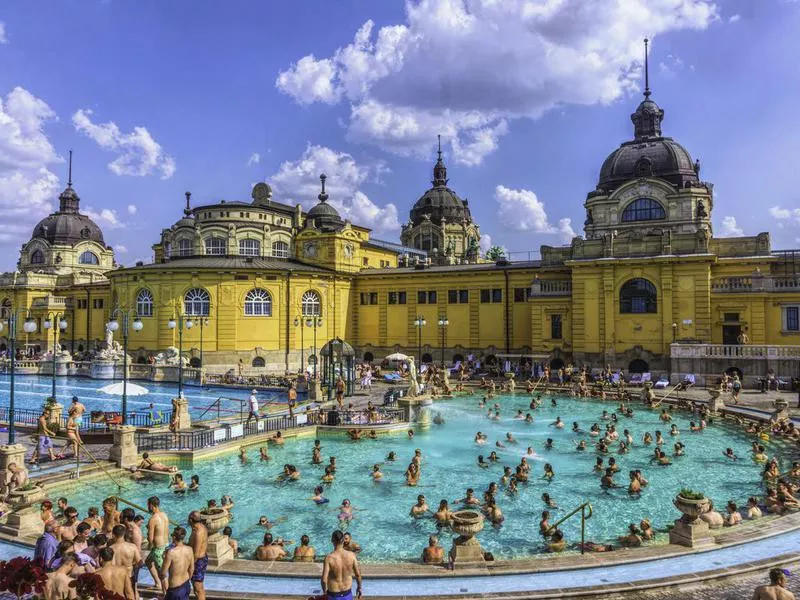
734 18
27 185
730 228
254 159
138 153
671 65
784 214
106 218
120 249
565 230
132 210
466 68
521 210
485 243
3 36
299 181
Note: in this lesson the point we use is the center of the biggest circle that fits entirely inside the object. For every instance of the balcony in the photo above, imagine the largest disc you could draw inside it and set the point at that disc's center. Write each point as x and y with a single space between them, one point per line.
734 352
551 287
754 283
51 303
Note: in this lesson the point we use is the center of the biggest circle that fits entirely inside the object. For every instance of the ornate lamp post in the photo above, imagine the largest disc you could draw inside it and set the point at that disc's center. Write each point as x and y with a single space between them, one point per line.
443 323
203 323
29 326
113 325
53 319
313 322
674 332
419 323
182 322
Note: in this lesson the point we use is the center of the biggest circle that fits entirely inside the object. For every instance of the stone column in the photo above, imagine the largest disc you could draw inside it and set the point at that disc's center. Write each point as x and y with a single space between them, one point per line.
181 417
315 390
12 454
123 451
54 420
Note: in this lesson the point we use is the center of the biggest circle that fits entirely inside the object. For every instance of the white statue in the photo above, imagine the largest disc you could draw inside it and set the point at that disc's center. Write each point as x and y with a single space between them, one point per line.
413 386
109 339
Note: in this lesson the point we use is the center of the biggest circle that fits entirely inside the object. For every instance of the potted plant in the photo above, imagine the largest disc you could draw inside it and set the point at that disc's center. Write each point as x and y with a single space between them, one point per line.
27 494
22 576
692 504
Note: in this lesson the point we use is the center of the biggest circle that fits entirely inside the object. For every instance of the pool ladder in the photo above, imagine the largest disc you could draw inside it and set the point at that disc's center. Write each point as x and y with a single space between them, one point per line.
586 513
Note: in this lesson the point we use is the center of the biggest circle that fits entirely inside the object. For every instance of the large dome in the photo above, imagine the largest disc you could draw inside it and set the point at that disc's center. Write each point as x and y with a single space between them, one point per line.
440 201
654 157
68 226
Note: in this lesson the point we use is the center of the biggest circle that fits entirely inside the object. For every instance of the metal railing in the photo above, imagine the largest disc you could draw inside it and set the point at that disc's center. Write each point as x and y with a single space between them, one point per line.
362 418
29 417
582 508
205 438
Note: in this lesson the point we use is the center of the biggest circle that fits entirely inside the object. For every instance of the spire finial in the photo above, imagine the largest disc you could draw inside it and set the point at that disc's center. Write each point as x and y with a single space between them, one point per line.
188 209
646 71
439 137
69 178
323 196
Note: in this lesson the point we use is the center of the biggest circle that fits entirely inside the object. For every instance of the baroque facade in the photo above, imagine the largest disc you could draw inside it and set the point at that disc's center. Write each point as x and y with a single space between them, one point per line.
268 283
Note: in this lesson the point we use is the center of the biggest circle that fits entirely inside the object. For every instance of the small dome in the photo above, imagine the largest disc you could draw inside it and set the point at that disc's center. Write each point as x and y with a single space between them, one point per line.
68 228
323 216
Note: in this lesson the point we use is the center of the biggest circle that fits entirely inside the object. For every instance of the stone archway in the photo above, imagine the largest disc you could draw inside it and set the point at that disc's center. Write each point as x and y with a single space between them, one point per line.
638 365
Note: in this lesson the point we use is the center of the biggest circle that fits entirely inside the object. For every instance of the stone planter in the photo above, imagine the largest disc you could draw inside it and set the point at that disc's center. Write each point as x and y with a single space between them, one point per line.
20 498
466 548
215 520
691 509
690 530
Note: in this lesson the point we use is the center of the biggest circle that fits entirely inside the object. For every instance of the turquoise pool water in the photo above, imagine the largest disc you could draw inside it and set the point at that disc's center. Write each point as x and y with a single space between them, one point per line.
387 532
32 390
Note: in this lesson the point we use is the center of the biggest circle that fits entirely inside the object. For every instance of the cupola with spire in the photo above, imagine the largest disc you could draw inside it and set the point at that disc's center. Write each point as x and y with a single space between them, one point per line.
440 202
323 215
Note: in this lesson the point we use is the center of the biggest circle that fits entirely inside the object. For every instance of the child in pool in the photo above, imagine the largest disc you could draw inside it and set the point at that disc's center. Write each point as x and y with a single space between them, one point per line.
195 485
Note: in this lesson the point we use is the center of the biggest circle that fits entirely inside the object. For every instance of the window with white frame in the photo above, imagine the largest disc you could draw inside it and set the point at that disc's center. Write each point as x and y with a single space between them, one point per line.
185 247
197 302
312 307
88 258
215 246
258 303
250 247
280 249
144 303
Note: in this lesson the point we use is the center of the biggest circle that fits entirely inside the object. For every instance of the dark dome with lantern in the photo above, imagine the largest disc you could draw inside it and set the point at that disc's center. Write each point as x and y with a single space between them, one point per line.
440 201
323 216
68 226
649 154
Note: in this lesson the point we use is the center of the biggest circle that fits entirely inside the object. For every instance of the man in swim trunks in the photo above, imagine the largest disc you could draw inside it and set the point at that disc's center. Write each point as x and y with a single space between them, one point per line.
76 411
116 578
178 568
157 538
776 590
433 553
338 570
198 541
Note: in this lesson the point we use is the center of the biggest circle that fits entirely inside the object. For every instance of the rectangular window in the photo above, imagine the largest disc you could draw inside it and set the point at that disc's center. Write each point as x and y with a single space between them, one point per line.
457 296
486 296
365 261
731 317
432 297
497 295
97 303
521 294
397 297
792 318
463 296
250 247
83 303
369 298
494 296
555 327
215 246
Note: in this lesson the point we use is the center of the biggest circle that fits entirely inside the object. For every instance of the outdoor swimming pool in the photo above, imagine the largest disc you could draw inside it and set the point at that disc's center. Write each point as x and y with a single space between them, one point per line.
383 526
32 390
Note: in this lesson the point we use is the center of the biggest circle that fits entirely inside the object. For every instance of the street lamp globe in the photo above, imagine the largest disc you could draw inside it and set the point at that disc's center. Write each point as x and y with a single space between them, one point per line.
113 325
172 324
137 324
29 326
47 324
189 324
309 322
62 324
297 322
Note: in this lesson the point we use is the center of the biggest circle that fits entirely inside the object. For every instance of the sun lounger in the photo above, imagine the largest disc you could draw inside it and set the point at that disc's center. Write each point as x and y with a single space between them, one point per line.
662 383
646 377
636 379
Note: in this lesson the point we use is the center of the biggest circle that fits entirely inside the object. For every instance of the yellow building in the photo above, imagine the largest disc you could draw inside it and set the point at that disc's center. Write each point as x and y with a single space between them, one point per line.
264 280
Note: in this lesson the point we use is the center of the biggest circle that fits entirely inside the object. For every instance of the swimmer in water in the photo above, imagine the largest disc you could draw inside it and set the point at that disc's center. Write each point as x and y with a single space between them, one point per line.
548 445
329 476
420 508
316 457
443 516
679 449
345 513
529 418
548 472
194 486
391 457
376 472
510 438
479 439
493 457
243 455
318 498
507 475
580 446
544 525
607 481
598 465
558 423
647 439
530 451
729 454
519 415
576 428
548 501
332 464
659 439
673 430
623 448
512 486
264 454
469 499
410 434
482 463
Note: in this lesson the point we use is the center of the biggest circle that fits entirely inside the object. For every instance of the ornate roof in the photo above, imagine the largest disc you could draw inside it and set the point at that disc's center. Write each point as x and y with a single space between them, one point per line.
440 201
323 216
68 226
649 154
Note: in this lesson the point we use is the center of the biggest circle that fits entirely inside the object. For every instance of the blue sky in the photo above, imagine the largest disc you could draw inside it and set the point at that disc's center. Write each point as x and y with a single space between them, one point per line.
158 98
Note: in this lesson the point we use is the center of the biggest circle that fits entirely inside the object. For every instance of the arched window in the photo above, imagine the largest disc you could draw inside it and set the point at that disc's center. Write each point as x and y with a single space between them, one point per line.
88 258
643 209
258 303
37 258
280 249
312 307
197 303
637 365
258 362
215 246
250 247
5 308
369 357
638 296
144 303
185 247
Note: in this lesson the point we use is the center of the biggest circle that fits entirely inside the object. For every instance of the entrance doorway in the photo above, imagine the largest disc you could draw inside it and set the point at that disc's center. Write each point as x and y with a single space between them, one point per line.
730 334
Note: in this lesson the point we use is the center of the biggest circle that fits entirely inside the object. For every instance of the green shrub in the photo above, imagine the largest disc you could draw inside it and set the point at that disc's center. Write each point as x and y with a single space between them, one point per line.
691 494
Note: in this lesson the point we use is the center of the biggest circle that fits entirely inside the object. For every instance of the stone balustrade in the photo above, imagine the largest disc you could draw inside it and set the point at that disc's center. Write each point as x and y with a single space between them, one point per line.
734 352
552 287
754 283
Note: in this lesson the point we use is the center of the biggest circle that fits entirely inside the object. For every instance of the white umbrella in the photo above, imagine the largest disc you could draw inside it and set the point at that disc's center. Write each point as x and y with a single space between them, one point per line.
397 356
115 389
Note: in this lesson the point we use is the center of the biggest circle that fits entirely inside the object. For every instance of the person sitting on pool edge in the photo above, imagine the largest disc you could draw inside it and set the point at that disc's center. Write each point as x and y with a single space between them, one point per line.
270 550
148 464
304 552
433 553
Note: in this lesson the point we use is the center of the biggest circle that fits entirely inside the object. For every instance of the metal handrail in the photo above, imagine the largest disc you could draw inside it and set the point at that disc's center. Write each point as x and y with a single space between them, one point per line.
582 508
